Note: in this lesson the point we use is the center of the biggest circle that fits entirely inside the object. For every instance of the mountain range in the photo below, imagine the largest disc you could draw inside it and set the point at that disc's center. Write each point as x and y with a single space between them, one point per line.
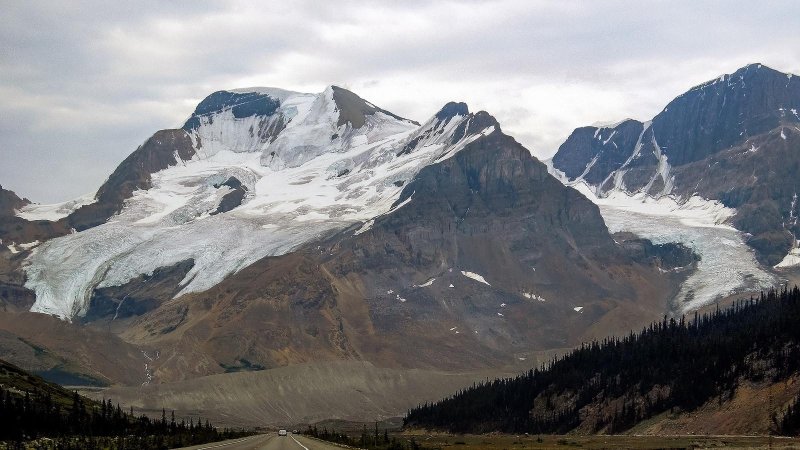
278 228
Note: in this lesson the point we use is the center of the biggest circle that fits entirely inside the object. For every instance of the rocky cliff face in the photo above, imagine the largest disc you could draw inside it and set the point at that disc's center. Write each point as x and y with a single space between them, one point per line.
730 139
727 111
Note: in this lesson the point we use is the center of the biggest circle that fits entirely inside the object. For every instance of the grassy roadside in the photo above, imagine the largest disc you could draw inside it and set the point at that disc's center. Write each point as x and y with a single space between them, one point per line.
511 442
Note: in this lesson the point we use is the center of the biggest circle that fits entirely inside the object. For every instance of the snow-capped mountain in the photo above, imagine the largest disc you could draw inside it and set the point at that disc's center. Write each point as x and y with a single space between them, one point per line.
733 139
278 227
256 173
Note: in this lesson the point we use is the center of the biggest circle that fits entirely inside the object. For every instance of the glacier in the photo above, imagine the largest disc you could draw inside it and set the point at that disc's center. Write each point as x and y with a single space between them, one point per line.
727 266
313 179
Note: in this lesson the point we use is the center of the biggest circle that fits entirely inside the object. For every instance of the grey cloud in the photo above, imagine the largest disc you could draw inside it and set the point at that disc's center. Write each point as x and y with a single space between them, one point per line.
83 83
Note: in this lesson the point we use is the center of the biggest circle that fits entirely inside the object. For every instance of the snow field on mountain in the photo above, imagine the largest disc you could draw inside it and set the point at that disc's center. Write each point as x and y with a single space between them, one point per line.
56 211
315 178
727 264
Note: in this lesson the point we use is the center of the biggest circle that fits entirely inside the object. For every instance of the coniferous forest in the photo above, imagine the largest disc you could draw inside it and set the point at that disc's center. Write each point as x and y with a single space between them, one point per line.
673 365
368 440
70 421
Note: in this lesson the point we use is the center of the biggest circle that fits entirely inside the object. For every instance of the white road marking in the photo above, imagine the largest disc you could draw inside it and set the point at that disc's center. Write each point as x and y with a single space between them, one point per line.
225 444
297 442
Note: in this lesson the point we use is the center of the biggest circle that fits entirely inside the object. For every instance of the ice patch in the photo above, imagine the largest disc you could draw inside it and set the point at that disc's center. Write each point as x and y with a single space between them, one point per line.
56 211
366 227
727 264
427 283
694 212
578 309
29 245
475 277
15 248
532 296
791 259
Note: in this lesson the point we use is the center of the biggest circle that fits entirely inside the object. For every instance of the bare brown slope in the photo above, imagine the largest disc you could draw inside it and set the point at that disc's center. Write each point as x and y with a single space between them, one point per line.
748 412
63 352
354 109
491 209
306 393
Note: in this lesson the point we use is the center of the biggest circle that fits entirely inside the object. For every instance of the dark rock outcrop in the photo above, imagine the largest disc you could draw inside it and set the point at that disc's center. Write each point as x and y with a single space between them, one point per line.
354 109
669 256
725 112
611 146
10 202
240 104
138 296
232 199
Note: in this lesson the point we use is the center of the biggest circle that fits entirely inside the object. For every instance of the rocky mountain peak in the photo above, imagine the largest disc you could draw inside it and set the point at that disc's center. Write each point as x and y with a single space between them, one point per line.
729 139
10 201
452 109
240 104
354 109
720 113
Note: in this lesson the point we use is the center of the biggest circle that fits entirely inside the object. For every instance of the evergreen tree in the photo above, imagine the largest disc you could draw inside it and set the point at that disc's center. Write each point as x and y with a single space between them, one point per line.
671 365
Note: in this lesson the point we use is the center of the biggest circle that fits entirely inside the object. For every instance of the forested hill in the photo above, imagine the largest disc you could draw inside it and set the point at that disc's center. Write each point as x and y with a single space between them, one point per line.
610 386
32 408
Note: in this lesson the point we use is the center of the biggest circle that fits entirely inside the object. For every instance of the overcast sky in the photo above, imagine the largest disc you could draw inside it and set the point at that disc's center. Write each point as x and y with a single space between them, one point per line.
82 84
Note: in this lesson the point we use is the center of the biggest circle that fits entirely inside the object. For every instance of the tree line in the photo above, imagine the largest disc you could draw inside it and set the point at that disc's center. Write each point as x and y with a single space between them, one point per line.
369 440
675 365
34 414
788 423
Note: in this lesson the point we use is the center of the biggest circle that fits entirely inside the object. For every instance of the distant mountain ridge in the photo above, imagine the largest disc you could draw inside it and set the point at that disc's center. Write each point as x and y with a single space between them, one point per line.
734 139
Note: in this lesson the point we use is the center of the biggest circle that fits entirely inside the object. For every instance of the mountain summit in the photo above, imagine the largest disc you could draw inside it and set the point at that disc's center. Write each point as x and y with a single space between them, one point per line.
250 174
732 139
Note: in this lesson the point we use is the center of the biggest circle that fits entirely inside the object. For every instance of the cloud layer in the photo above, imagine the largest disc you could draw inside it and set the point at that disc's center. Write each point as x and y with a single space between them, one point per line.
83 83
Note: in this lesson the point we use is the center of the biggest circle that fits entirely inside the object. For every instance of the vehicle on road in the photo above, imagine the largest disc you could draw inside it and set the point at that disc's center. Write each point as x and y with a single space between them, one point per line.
282 433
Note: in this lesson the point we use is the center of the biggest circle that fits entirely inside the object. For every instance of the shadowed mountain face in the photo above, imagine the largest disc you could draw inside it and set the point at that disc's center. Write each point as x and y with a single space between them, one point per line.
320 227
733 139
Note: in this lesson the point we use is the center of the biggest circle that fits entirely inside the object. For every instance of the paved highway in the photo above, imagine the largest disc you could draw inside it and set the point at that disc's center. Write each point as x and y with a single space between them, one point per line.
267 442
